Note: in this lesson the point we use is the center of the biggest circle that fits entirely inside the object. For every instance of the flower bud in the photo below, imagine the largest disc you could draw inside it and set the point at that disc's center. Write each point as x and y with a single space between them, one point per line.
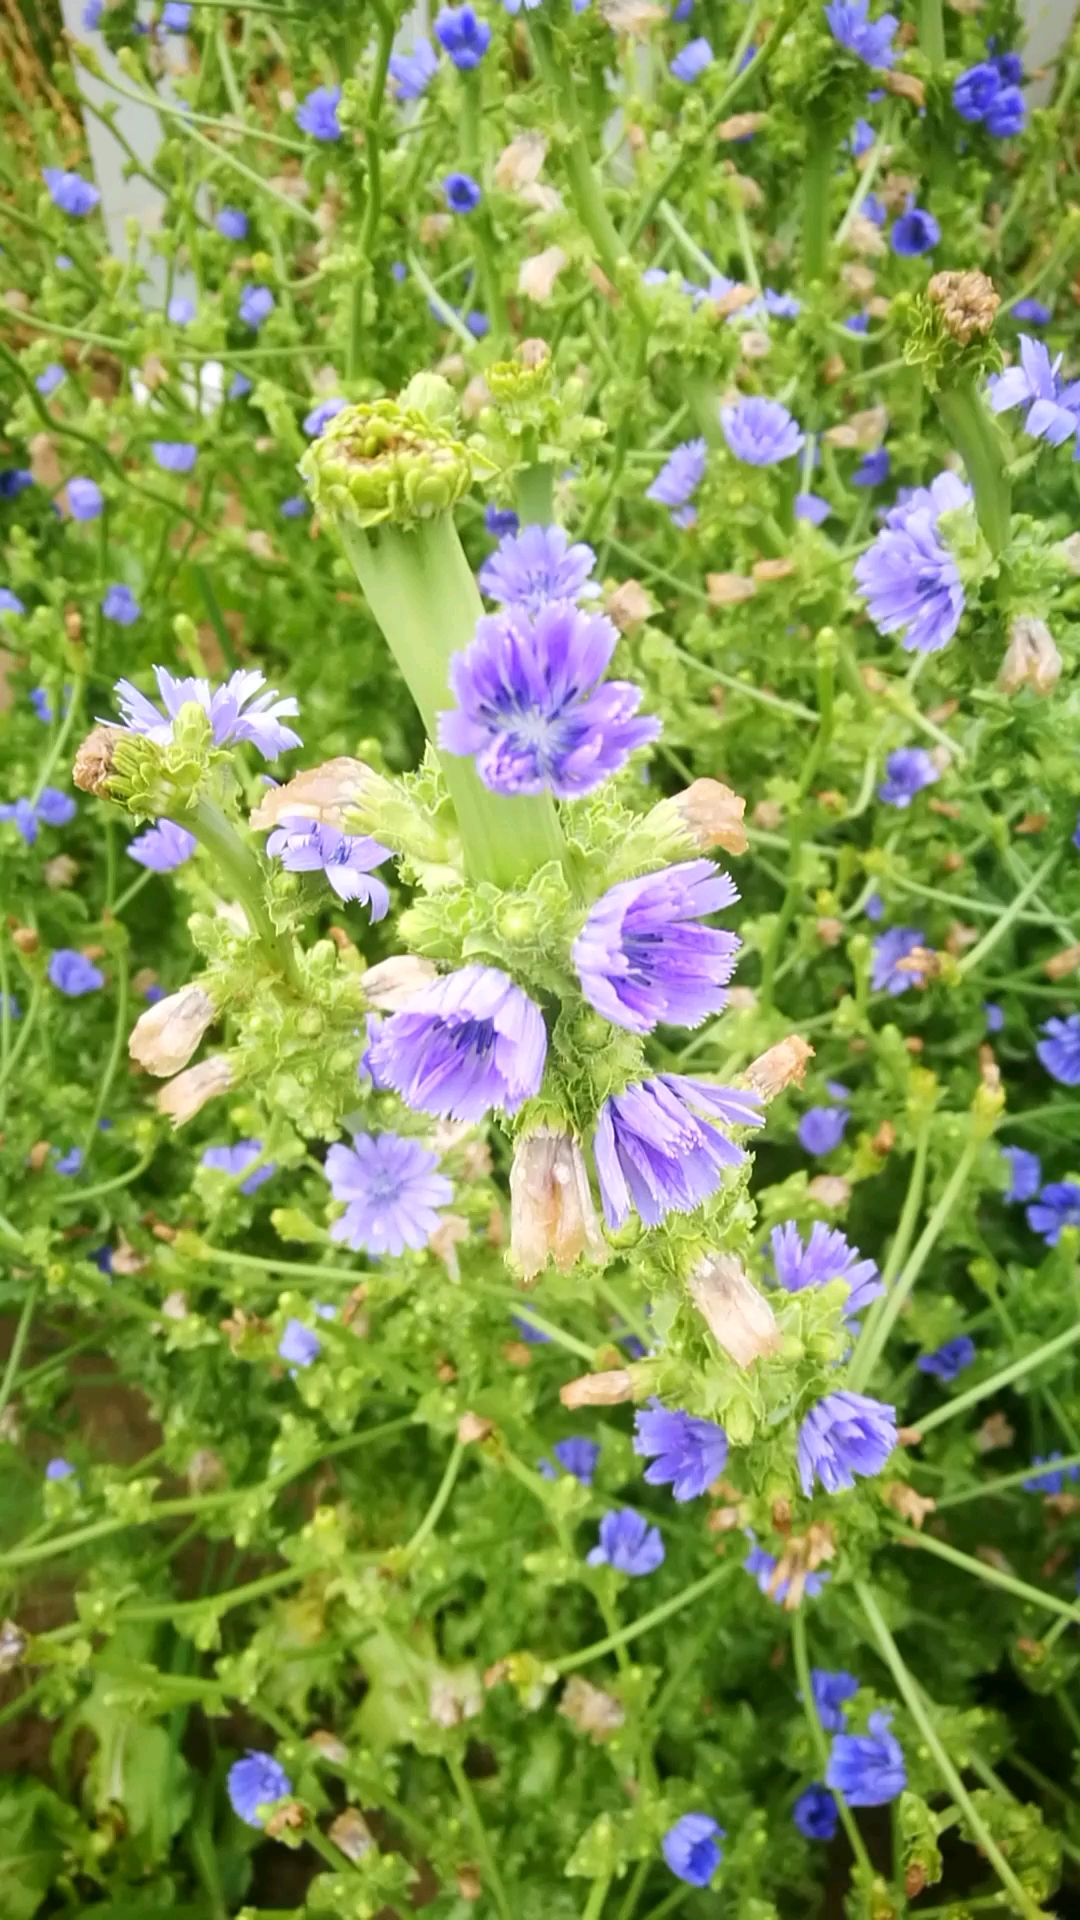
1031 658
190 1091
551 1209
863 430
598 1389
473 1426
385 460
391 984
739 1318
164 1038
519 164
739 126
705 815
537 275
829 1190
967 303
590 1709
781 1066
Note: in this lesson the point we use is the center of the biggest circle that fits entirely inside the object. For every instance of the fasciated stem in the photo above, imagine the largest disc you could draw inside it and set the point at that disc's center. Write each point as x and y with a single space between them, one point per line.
242 871
975 436
932 31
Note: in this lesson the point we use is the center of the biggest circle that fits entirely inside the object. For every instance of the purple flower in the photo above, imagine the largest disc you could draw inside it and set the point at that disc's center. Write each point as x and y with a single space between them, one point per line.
463 194
412 73
181 310
70 192
256 305
317 114
974 90
873 469
478 324
233 1160
55 809
1025 1174
627 1543
949 1360
536 565
13 481
642 956
810 506
232 223
10 1006
253 1782
815 1813
91 14
907 771
995 1016
762 1566
830 1690
680 476
121 605
692 1848
860 139
469 1042
10 603
391 1188
1006 114
23 815
50 378
657 1149
233 712
72 973
1053 1480
578 1456
463 36
825 1257
886 973
59 1469
858 323
760 432
691 61
908 577
501 520
821 1129
84 498
1059 1050
1009 65
307 846
1058 1206
176 16
1033 312
874 209
530 1332
174 456
687 1454
319 418
239 386
70 1162
163 847
843 1435
294 508
852 28
867 1768
531 706
1053 406
299 1345
915 232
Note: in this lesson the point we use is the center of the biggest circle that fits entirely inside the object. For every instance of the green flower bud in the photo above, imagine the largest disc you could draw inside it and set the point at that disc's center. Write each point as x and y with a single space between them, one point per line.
386 462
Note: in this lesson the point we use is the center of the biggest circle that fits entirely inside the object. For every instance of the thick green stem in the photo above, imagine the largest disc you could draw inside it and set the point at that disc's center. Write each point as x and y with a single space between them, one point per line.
977 440
421 590
240 868
817 181
932 31
535 486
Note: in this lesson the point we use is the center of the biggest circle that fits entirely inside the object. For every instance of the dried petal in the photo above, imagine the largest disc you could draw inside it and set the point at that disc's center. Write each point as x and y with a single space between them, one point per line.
184 1096
164 1038
781 1066
739 1318
551 1209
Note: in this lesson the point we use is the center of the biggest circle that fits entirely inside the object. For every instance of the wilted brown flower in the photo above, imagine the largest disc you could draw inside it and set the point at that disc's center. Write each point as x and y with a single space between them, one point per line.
537 275
321 793
391 984
907 1503
803 1554
590 1709
967 303
783 1065
729 589
598 1389
1063 963
628 605
473 1426
738 125
519 164
13 1645
551 1209
739 1318
183 1097
164 1038
94 760
1031 658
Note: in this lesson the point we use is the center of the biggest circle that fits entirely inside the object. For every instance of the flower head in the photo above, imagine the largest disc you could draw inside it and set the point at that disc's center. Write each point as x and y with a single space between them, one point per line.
232 710
501 520
951 1359
825 1257
176 16
233 1160
164 1038
658 1149
692 1848
463 35
253 1782
39 698
886 972
908 577
578 1457
121 605
643 956
72 973
853 29
536 565
907 771
1053 1479
317 421
627 1543
317 113
70 192
811 507
70 1162
412 73
1053 406
532 707
821 1129
1025 1173
867 1768
469 1042
10 603
463 193
1006 114
181 310
1058 1206
239 386
1034 313
163 847
680 477
1059 1050
816 1813
299 1345
296 507
687 1454
174 456
873 469
843 1435
975 89
760 432
59 1469
830 1691
232 223
763 1567
390 1188
307 846
691 61
256 305
84 497
915 232
551 1208
50 378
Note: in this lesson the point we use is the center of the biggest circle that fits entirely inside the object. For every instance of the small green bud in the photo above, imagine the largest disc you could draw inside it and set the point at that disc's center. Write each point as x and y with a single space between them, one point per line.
431 395
385 461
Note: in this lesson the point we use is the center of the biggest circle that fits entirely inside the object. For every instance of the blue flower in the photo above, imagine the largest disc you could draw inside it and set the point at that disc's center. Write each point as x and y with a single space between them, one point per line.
390 1187
915 232
1053 406
253 1782
658 1150
10 1006
463 194
478 324
873 469
815 1813
13 481
1025 1173
826 1256
760 432
59 1469
84 498
643 957
533 708
499 521
947 1361
233 1160
830 1690
70 192
412 73
55 809
319 418
163 847
1006 114
50 378
763 1567
860 139
10 603
908 577
91 14
232 710
811 507
1053 1479
181 310
1058 1206
256 305
232 223
874 209
867 1768
174 456
176 16
858 323
530 1332
469 1042
692 1848
843 1435
578 1457
886 973
907 771
121 605
317 114
295 507
70 1162
1033 312
821 1129
875 907
627 1543
72 973
691 61
536 565
239 386
680 476
299 1345
1059 1050
308 846
853 29
975 89
995 1016
687 1454
463 36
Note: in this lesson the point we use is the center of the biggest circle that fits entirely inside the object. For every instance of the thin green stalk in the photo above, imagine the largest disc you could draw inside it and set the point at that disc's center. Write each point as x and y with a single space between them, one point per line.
989 941
22 1334
986 1488
37 1000
799 824
821 1744
817 182
989 1575
1015 1371
387 20
932 31
485 249
647 1620
242 871
871 1343
105 1085
793 708
442 1495
598 1893
480 1835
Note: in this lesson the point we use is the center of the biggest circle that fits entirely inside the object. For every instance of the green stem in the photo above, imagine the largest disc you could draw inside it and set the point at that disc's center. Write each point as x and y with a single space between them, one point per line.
800 823
243 872
480 1835
598 1893
876 1332
1005 1378
976 438
652 1619
438 1506
585 189
116 1050
1012 913
22 1333
931 31
821 1744
534 486
989 1575
421 591
984 1489
817 181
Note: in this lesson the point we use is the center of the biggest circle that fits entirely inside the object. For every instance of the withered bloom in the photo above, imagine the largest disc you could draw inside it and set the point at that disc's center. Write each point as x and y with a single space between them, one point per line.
164 1038
551 1209
739 1318
184 1096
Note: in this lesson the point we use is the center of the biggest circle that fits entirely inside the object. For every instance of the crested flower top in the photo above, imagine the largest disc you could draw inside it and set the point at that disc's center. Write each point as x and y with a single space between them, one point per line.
233 710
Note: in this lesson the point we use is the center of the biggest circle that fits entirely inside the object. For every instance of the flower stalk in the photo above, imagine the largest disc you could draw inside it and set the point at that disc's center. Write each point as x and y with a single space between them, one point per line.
243 872
979 444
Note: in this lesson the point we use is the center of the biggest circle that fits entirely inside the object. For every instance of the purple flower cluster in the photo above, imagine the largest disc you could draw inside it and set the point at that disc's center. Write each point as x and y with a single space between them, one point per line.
1059 1049
120 605
70 192
946 1362
691 61
987 94
815 1813
1025 1173
534 566
686 1454
821 1129
253 1782
643 957
915 232
1052 1479
908 577
317 114
886 973
71 973
692 1848
852 28
412 73
826 1256
463 35
233 710
844 1435
390 1189
1057 1206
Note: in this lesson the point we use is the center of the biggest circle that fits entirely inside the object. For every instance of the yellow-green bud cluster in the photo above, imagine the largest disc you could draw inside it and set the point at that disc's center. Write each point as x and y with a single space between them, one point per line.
385 463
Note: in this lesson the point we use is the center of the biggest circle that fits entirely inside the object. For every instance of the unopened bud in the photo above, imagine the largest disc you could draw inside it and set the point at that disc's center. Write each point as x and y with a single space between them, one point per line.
739 1318
385 461
781 1066
967 303
164 1038
1031 658
740 125
590 1709
551 1209
94 760
329 1747
391 984
599 1389
183 1098
829 1190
